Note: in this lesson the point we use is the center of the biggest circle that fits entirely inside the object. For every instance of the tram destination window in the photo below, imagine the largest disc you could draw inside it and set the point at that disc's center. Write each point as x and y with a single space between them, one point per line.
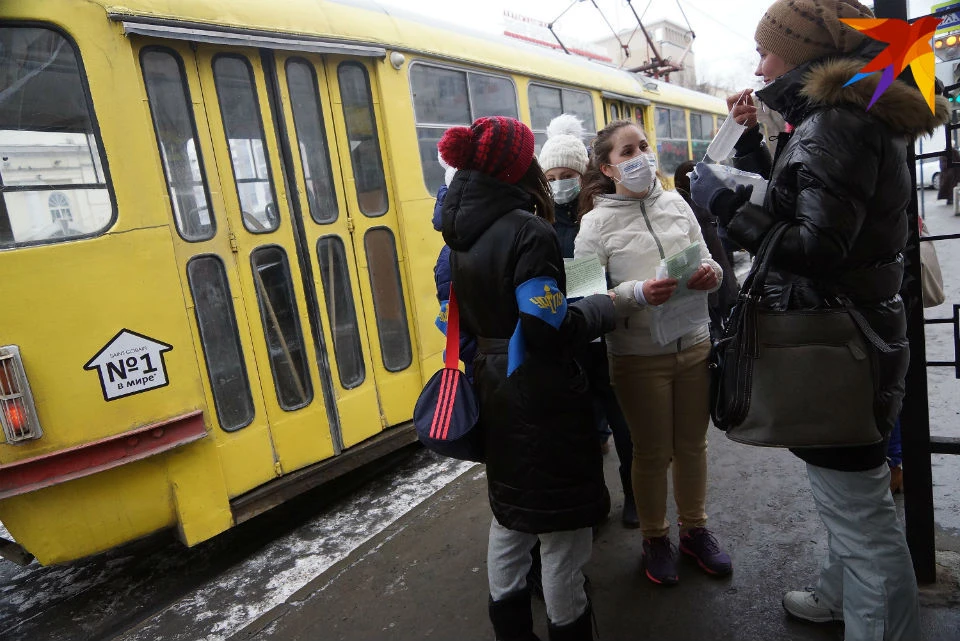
219 336
364 141
445 97
176 131
312 140
48 142
546 103
671 139
388 302
281 324
341 314
243 127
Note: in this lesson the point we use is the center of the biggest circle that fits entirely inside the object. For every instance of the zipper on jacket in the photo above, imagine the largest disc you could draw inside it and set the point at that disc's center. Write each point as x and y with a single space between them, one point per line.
650 227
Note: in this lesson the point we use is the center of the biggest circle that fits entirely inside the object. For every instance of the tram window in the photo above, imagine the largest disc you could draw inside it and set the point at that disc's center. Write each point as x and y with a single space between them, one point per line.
341 314
312 140
362 134
701 132
445 97
671 138
546 103
176 131
492 96
48 141
638 116
220 339
240 112
281 323
614 112
388 303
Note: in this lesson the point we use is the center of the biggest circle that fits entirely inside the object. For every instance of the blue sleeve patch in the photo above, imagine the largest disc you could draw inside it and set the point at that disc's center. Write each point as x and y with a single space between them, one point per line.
540 297
441 320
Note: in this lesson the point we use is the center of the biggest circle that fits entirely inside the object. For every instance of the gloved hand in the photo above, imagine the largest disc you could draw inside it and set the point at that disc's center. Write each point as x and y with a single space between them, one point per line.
713 190
625 301
707 182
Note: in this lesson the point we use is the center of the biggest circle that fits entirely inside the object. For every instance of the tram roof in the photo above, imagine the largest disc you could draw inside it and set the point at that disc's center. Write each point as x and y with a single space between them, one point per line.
367 22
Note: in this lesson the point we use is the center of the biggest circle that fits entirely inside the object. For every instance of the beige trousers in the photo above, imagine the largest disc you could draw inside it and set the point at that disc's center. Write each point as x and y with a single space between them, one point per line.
665 401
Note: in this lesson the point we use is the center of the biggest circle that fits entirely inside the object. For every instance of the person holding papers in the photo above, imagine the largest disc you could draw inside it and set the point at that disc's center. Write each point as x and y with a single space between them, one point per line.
633 225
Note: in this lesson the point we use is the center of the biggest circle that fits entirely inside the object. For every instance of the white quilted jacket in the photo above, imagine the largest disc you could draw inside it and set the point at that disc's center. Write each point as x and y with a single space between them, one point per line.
630 237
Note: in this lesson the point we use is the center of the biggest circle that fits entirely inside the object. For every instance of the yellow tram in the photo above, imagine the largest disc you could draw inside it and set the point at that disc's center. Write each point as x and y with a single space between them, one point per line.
215 245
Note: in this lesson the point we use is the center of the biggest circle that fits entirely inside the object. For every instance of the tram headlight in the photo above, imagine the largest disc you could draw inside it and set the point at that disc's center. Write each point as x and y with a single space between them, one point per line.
18 415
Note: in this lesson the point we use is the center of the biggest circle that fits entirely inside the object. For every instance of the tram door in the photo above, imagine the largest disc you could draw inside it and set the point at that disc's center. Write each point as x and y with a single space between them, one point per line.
296 137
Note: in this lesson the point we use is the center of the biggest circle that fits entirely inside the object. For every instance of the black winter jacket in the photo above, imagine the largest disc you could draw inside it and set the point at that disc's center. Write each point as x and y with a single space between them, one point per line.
842 181
544 466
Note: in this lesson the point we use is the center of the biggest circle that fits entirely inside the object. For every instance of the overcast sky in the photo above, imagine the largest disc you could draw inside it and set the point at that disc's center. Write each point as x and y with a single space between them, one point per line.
724 45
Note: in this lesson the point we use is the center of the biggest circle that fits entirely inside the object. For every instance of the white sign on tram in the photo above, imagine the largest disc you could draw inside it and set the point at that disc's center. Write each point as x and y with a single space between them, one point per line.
130 363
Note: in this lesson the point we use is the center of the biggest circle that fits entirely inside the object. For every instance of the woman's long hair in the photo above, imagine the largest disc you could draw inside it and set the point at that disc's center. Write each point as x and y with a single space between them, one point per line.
594 183
535 183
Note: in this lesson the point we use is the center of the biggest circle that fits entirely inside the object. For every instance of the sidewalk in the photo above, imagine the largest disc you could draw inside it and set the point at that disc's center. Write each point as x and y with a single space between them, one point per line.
425 577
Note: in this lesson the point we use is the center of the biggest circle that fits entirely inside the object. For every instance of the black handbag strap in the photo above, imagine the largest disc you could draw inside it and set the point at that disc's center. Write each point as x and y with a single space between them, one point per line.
752 287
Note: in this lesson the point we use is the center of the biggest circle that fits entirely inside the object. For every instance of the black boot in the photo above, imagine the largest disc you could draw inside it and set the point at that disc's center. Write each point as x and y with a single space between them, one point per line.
629 517
579 630
511 617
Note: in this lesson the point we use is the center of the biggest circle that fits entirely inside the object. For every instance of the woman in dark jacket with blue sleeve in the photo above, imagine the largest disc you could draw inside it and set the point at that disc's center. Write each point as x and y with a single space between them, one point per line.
544 466
842 183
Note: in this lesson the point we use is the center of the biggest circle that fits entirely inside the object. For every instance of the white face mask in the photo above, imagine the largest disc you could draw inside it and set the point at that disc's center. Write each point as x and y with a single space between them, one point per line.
565 190
638 173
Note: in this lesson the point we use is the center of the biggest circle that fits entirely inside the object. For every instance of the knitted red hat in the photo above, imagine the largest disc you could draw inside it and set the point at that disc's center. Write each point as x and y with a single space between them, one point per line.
498 146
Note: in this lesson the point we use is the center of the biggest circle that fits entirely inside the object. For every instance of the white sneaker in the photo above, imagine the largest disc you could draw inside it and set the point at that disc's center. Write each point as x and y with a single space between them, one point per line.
804 604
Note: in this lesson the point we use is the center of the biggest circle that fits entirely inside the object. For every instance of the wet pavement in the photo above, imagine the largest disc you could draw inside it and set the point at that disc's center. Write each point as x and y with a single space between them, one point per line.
403 557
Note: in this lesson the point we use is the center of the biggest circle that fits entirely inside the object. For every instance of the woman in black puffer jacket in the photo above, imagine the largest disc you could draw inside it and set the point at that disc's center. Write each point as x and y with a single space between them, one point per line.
842 182
544 467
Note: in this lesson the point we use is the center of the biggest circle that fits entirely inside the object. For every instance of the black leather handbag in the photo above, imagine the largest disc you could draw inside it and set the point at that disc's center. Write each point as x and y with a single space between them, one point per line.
795 378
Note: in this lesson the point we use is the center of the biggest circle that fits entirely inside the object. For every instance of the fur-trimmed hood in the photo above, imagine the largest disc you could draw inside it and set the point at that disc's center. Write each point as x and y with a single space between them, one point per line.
901 107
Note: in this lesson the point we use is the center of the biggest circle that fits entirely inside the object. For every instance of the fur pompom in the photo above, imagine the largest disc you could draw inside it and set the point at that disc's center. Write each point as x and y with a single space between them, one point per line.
456 146
565 125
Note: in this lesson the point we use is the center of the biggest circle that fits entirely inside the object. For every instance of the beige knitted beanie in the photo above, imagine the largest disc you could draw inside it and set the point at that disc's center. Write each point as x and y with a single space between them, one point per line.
802 30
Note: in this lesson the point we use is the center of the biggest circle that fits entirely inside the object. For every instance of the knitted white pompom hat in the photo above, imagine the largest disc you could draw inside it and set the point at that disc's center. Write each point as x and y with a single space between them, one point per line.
564 146
448 171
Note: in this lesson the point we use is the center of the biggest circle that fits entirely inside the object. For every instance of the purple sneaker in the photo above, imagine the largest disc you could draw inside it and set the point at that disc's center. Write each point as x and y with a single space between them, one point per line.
700 544
660 560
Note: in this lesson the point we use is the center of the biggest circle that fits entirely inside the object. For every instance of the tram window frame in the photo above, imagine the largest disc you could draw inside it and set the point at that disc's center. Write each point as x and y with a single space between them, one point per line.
281 341
704 128
94 146
379 302
210 355
327 176
178 218
341 284
264 145
429 133
379 174
540 132
669 157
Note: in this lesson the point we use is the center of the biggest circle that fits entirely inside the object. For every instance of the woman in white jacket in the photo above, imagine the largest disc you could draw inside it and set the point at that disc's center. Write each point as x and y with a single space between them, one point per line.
631 223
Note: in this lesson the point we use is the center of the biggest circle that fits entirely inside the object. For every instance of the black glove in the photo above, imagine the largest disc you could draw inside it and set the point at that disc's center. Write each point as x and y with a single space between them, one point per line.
728 201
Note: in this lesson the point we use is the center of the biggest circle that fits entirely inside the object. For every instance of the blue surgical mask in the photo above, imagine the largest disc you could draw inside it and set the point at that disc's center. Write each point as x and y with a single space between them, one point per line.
638 173
565 190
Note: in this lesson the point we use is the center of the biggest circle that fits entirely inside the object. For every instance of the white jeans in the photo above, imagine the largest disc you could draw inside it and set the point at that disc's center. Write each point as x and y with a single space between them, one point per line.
562 556
868 573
